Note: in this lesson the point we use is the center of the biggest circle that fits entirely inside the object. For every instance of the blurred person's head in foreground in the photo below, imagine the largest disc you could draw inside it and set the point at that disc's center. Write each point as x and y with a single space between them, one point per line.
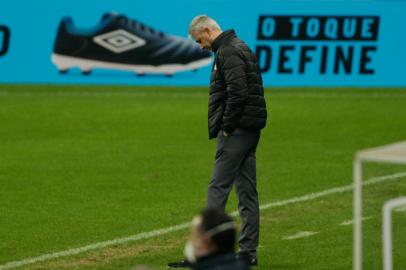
213 234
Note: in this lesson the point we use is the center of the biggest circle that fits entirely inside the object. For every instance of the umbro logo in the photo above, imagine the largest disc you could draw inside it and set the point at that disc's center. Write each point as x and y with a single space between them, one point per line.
119 41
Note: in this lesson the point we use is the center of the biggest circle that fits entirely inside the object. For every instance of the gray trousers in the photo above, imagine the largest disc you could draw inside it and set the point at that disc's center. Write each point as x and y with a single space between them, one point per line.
236 165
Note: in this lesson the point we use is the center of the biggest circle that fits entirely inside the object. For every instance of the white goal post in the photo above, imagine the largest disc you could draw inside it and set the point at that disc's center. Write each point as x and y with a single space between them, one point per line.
393 153
387 230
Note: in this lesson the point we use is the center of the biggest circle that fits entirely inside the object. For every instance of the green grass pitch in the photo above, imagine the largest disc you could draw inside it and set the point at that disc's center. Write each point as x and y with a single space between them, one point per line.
82 164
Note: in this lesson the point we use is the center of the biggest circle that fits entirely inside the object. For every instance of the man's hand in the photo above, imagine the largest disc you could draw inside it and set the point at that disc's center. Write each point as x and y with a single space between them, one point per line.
225 134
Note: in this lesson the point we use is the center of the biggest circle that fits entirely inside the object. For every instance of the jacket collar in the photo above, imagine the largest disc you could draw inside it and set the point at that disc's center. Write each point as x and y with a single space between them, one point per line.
223 38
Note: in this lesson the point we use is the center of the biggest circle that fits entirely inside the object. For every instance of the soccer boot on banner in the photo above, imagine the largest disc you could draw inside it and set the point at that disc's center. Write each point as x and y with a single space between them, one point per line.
123 44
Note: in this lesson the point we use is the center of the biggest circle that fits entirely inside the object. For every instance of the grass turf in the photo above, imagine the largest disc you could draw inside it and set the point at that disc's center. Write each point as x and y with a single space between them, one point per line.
80 165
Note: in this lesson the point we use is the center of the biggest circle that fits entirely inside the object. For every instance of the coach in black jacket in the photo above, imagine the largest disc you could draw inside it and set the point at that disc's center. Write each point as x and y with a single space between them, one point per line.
236 91
237 113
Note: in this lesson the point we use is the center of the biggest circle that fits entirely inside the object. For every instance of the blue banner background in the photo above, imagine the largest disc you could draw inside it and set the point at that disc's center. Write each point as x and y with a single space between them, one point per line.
33 27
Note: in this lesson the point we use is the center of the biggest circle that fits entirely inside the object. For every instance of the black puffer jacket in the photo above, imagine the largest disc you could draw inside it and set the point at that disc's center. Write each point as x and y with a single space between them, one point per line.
236 90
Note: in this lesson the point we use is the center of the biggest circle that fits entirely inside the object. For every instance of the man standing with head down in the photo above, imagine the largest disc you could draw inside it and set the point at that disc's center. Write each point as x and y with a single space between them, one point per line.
237 113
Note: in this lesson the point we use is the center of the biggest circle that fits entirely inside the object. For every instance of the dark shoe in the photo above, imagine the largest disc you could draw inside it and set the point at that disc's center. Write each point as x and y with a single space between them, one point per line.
181 264
249 258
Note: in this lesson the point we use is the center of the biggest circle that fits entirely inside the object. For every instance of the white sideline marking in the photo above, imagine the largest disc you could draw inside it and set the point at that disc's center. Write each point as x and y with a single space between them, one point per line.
74 251
350 222
299 235
147 235
400 209
312 196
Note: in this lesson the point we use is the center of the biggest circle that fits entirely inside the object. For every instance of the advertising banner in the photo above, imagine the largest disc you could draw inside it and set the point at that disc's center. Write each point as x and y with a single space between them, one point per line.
297 43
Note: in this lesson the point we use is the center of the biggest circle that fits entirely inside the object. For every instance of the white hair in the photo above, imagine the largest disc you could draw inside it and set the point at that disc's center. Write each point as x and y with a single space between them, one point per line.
202 21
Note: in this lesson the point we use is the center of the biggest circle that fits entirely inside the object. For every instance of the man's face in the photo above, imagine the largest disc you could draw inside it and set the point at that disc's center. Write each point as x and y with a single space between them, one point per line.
203 38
